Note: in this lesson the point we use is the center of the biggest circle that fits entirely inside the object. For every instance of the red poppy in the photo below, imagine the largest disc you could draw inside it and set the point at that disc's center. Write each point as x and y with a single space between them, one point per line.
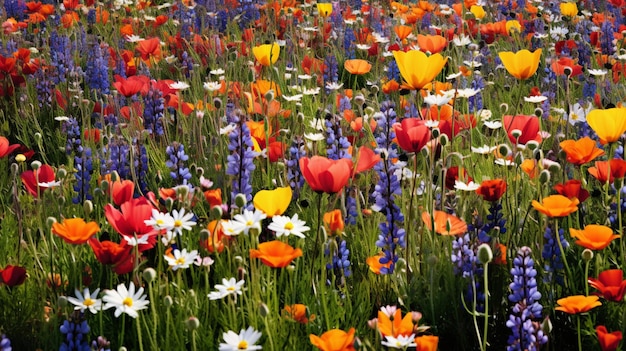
527 126
131 85
122 191
6 148
492 190
366 159
13 275
572 189
150 50
610 284
325 175
111 253
608 341
35 181
564 63
129 222
605 171
412 134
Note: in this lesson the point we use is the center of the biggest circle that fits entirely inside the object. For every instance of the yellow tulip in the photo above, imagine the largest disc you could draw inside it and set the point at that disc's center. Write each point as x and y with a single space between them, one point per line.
266 54
477 11
513 26
273 202
609 124
569 9
522 64
418 69
324 9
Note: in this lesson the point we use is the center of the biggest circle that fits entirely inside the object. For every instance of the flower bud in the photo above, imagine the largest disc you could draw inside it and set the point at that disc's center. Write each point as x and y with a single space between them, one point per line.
544 176
62 301
240 200
485 254
538 112
587 255
204 235
88 207
35 165
14 168
264 311
192 323
168 301
20 158
516 133
50 221
149 274
443 140
217 102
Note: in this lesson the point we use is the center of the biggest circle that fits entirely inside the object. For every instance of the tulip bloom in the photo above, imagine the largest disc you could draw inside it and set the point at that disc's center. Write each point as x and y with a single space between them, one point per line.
13 275
581 151
418 69
334 340
325 175
593 237
572 189
273 202
357 66
526 128
75 230
412 134
577 304
522 64
492 190
556 206
38 180
610 284
266 54
608 341
275 254
431 43
445 224
609 124
608 171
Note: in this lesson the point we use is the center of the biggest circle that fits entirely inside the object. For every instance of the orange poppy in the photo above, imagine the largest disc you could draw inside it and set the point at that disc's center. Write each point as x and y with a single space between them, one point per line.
572 189
390 86
593 237
559 67
366 159
492 190
333 220
334 340
608 341
610 284
298 313
556 206
150 50
529 166
213 197
445 224
75 230
402 31
395 325
217 239
374 264
577 304
427 343
581 151
325 175
69 19
608 171
357 66
431 43
275 254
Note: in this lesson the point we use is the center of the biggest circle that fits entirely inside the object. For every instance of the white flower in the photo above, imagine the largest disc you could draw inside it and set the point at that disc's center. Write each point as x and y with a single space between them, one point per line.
400 342
134 241
431 123
461 40
578 113
484 150
295 98
179 85
86 301
314 136
212 86
504 162
388 310
160 220
363 46
250 220
437 99
244 341
467 92
317 124
228 287
217 72
453 76
205 182
133 38
181 259
312 91
558 32
535 99
471 186
125 300
231 228
203 261
597 72
49 184
283 225
492 124
333 86
181 221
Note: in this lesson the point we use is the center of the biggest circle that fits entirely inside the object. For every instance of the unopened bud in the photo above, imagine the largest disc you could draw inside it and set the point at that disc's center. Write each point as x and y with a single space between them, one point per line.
88 207
544 176
20 158
538 112
485 254
50 221
216 212
587 255
149 274
264 311
516 133
168 301
443 140
192 323
35 165
62 301
240 200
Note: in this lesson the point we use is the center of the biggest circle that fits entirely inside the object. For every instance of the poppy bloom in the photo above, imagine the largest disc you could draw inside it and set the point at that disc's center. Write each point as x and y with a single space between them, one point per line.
333 220
273 202
36 181
581 151
5 148
568 9
418 69
150 50
366 159
131 85
431 43
572 189
266 54
492 190
75 230
395 325
521 128
556 206
213 197
593 237
522 64
120 256
610 284
445 224
334 340
609 124
608 341
373 262
412 134
217 240
608 171
325 175
275 254
577 304
13 275
402 31
122 191
357 66
298 313
324 9
129 220
563 64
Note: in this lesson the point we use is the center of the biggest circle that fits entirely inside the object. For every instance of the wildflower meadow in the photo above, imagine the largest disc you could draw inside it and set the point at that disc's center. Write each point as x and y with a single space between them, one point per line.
301 175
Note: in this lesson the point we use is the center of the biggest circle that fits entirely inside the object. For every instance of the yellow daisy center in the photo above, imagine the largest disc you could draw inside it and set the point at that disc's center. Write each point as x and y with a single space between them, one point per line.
88 302
181 260
243 345
231 288
248 223
178 223
289 226
160 222
128 302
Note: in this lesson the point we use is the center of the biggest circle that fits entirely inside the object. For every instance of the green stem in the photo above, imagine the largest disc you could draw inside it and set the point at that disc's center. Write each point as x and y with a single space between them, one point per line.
580 343
486 325
563 255
139 337
121 342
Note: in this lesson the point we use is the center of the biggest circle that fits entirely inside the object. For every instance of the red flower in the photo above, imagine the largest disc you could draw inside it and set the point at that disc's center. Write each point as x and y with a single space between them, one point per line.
608 341
123 191
366 159
13 275
611 284
325 175
528 126
129 222
572 189
412 134
616 167
5 148
492 190
34 180
131 85
111 253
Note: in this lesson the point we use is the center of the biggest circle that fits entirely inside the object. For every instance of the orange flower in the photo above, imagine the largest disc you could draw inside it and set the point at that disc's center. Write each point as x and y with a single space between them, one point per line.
150 50
357 66
334 340
522 64
402 31
275 254
334 221
412 134
427 342
395 325
577 304
572 189
609 124
608 171
610 284
374 263
593 237
492 190
75 230
556 206
431 43
217 239
366 159
325 175
6 148
581 151
445 224
213 197
298 313
608 341
69 19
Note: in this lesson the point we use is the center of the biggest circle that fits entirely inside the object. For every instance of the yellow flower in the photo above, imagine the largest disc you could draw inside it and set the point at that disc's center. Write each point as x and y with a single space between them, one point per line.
266 54
324 9
522 64
569 9
418 69
609 124
513 26
273 202
477 11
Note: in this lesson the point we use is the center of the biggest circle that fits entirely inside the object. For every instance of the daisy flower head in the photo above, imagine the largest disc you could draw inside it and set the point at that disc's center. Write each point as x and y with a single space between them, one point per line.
182 221
228 287
250 220
232 228
86 301
245 340
125 300
160 220
283 225
181 259
399 342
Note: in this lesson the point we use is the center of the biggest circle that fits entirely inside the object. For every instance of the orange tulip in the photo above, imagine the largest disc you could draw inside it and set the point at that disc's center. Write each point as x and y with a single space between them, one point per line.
431 43
593 237
298 313
581 151
445 224
334 340
577 304
609 124
357 66
417 69
556 206
275 254
395 325
522 64
75 230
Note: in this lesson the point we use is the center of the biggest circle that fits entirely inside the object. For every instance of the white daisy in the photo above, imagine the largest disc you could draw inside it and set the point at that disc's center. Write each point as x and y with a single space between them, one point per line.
437 99
314 136
160 220
182 221
295 98
471 186
179 85
125 300
578 113
232 228
86 301
250 220
245 340
283 225
399 342
484 150
597 72
212 86
228 287
181 259
493 124
535 99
